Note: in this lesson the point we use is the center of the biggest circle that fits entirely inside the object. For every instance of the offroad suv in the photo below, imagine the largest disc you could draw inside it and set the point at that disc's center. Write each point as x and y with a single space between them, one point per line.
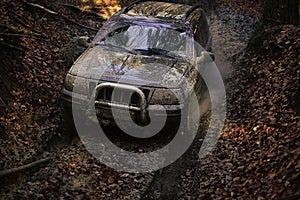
146 50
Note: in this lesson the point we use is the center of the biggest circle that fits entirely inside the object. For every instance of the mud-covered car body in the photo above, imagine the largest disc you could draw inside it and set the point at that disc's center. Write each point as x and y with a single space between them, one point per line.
153 74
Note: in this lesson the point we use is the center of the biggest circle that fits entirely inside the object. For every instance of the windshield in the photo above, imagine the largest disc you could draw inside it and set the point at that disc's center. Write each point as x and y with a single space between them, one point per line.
160 40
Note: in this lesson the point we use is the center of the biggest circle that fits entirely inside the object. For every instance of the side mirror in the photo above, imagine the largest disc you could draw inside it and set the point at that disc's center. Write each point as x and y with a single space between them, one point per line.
206 57
84 41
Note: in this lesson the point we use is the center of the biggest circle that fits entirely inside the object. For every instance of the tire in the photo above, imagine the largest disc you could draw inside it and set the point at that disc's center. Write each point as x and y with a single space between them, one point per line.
69 129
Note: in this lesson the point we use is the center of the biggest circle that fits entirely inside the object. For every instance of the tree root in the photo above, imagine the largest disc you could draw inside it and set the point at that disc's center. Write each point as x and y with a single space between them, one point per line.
24 167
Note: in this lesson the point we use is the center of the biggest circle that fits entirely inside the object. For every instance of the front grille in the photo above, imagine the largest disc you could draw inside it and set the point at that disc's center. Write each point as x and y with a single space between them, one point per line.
92 86
121 96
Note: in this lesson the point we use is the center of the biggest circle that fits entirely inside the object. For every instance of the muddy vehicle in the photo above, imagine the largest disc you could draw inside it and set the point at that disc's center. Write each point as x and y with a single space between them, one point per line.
145 53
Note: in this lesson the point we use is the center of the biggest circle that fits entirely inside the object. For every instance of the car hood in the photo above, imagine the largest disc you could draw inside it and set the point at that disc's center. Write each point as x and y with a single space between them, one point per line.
109 64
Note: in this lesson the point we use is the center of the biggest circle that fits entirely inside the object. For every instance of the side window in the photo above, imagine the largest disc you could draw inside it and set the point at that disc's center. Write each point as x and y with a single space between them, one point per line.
200 27
204 30
194 19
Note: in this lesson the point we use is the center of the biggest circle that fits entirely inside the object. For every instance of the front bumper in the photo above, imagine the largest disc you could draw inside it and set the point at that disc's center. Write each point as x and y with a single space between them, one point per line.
104 114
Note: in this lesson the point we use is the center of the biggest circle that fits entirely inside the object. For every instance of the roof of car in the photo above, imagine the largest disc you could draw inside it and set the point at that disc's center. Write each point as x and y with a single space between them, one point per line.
152 9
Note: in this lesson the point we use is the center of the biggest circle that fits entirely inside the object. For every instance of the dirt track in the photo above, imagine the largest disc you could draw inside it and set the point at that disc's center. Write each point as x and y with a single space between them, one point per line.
72 171
65 169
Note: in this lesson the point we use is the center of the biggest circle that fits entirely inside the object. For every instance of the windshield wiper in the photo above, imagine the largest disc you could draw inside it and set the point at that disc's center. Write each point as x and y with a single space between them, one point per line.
116 47
154 51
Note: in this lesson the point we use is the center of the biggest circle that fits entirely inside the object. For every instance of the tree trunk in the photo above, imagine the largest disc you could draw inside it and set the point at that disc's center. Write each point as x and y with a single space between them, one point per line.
281 11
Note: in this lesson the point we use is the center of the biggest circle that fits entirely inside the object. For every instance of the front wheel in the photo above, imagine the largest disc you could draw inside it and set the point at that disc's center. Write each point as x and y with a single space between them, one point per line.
69 129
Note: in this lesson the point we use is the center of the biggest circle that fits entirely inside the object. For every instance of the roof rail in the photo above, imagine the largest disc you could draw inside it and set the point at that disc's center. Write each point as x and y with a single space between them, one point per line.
186 15
190 11
127 8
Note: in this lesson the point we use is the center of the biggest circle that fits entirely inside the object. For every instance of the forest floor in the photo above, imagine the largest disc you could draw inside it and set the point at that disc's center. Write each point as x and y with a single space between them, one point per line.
256 157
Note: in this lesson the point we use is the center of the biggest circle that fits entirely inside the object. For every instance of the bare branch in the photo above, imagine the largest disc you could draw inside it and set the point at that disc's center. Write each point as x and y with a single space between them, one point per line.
24 167
83 10
18 30
41 7
11 46
57 14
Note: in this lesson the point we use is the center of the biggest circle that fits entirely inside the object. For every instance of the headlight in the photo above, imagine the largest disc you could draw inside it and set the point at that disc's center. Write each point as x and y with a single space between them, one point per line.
71 81
166 97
